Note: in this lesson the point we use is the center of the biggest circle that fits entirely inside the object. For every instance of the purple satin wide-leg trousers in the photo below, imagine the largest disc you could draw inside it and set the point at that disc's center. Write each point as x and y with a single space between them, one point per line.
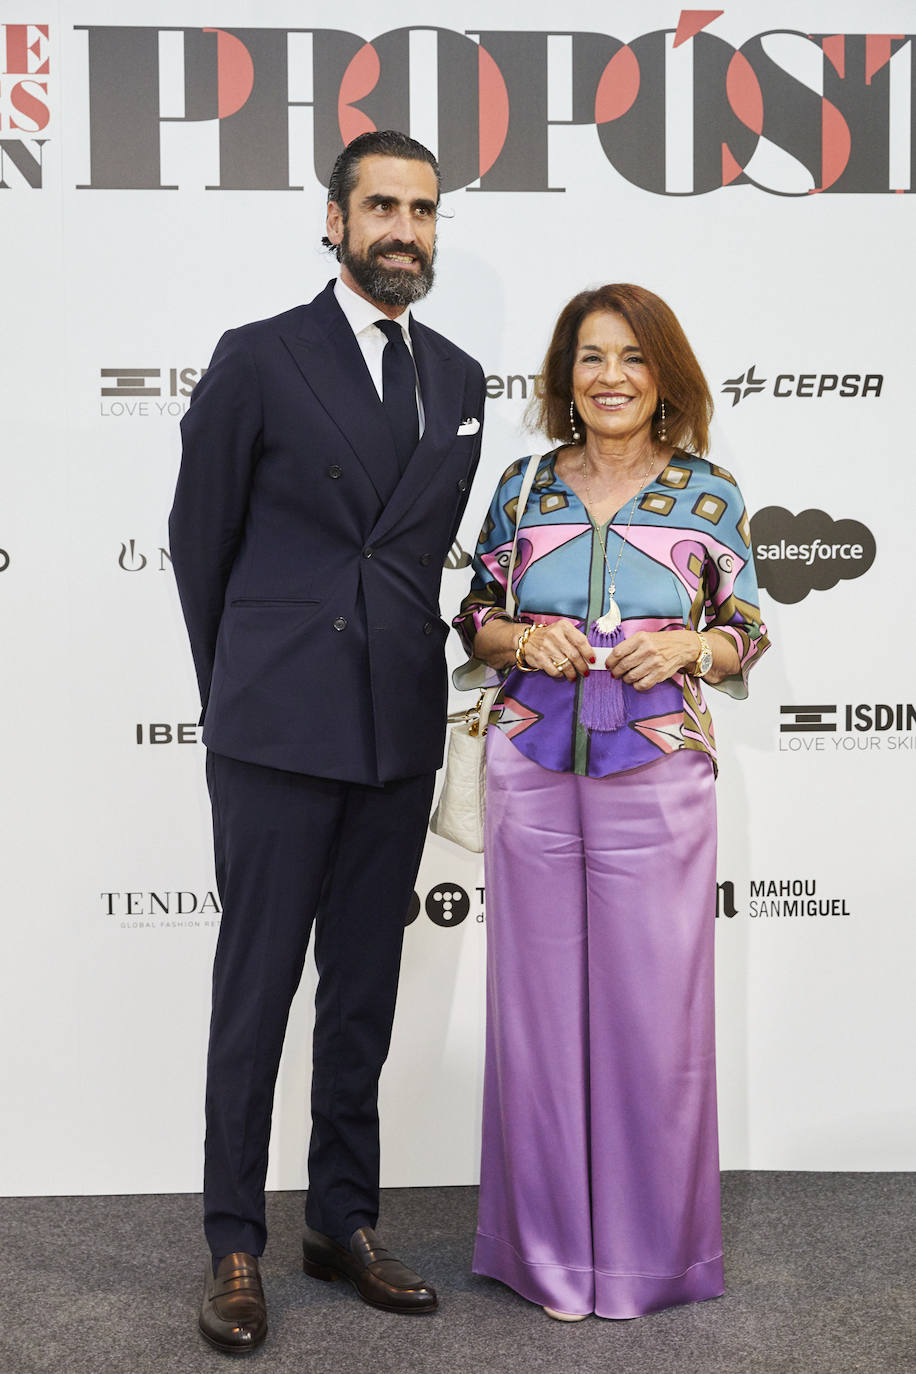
599 1185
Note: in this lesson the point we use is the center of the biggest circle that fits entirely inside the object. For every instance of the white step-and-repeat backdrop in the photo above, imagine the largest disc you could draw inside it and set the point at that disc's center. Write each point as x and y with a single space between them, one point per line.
162 170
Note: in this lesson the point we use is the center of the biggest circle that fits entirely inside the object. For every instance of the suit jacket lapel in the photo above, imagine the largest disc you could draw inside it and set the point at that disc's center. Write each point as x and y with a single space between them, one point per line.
327 354
441 386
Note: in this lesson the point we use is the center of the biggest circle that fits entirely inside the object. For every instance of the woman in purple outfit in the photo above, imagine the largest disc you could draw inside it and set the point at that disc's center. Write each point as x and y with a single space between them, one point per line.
635 587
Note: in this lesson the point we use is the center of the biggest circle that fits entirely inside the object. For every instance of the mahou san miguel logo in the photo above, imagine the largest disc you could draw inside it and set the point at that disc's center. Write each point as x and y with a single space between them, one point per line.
844 128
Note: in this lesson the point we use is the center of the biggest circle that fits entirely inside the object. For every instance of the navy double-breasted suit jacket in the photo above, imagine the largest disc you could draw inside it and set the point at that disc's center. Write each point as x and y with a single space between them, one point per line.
308 571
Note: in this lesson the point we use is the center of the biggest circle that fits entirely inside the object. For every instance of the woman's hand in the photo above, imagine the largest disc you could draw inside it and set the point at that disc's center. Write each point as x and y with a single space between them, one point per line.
558 649
650 657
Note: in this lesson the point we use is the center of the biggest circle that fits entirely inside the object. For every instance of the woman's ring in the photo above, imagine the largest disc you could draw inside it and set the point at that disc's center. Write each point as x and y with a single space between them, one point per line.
561 662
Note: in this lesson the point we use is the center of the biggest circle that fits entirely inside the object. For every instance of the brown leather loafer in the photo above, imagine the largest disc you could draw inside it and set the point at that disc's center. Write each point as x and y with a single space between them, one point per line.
379 1278
233 1314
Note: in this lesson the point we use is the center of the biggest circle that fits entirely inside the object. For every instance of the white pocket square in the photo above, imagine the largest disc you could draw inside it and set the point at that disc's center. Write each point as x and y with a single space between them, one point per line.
468 426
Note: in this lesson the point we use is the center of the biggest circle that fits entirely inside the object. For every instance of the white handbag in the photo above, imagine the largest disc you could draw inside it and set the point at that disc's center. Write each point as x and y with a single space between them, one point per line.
459 815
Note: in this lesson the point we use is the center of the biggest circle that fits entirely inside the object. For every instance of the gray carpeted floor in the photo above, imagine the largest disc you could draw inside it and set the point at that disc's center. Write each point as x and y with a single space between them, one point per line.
820 1277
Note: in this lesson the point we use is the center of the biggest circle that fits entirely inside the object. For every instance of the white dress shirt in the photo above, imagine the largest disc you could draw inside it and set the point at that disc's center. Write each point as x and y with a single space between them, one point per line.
361 317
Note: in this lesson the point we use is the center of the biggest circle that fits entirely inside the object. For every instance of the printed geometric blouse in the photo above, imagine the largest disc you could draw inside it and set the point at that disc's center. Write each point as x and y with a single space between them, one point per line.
686 564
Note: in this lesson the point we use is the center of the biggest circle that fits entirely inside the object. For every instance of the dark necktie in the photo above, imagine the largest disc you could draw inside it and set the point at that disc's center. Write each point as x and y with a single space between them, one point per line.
399 392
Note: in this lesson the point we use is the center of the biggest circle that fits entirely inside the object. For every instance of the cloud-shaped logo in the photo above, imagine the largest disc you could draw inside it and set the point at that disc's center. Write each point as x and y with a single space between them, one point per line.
798 554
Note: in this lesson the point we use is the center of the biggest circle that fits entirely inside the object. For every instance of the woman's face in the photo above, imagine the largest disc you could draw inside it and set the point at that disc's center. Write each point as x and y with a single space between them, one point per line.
612 386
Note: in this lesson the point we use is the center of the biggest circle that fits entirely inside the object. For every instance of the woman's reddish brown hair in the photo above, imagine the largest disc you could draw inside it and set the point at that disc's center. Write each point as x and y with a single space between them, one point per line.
672 362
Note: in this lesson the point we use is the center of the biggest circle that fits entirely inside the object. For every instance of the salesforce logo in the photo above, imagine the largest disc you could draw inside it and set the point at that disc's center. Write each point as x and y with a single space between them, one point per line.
798 554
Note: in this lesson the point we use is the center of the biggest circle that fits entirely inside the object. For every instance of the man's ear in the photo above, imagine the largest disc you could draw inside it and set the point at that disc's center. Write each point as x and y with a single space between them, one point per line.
335 222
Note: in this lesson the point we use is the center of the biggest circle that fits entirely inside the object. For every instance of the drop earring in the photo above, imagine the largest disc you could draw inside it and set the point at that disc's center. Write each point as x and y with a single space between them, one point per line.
662 426
576 436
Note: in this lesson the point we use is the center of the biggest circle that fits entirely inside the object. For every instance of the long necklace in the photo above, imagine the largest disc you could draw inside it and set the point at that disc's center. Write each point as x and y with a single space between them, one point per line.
607 623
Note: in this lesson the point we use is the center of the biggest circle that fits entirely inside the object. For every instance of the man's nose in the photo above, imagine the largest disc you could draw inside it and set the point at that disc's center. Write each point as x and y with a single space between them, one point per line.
404 227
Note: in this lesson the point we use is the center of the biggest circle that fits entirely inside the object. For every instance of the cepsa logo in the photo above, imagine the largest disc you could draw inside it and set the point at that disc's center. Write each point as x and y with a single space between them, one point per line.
788 112
797 554
807 385
25 112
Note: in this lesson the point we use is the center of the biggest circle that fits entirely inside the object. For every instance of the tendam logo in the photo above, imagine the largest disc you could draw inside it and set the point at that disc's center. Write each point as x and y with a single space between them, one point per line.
167 909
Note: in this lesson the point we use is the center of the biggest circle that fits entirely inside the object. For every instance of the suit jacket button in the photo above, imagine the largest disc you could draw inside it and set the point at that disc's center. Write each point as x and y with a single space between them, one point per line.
368 551
426 559
462 484
335 470
340 623
428 628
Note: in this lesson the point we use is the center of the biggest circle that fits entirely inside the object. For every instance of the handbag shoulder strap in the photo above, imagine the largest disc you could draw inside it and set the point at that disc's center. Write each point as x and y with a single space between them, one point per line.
489 695
524 492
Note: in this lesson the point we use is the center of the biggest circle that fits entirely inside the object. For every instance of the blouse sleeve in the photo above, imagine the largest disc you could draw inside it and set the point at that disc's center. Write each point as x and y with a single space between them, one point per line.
732 599
486 598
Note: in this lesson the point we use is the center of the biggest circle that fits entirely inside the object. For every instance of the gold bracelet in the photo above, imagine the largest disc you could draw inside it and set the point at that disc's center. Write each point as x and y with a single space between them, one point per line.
520 647
520 650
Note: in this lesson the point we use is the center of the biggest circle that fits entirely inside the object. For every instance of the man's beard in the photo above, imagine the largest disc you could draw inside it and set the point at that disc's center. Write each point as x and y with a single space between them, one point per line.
389 285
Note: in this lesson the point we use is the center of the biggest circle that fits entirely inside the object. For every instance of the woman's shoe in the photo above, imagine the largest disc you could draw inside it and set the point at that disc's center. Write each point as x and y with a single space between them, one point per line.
565 1316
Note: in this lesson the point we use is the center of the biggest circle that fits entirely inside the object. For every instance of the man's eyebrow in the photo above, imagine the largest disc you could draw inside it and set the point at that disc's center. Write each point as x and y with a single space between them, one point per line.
379 198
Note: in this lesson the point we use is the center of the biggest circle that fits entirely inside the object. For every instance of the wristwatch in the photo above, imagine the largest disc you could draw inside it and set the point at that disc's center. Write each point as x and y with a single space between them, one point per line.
704 658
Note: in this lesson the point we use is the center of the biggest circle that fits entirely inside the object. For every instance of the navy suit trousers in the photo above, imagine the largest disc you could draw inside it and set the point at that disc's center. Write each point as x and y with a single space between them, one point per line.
293 851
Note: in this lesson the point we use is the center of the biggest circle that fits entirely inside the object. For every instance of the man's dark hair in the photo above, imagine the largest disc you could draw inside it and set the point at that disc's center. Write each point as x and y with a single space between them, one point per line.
378 143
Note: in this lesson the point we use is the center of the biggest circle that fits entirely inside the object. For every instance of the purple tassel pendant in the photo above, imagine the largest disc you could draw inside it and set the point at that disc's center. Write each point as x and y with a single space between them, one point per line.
602 705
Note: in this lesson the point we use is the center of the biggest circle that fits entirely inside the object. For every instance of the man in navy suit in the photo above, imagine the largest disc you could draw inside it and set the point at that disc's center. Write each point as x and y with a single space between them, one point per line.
327 458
